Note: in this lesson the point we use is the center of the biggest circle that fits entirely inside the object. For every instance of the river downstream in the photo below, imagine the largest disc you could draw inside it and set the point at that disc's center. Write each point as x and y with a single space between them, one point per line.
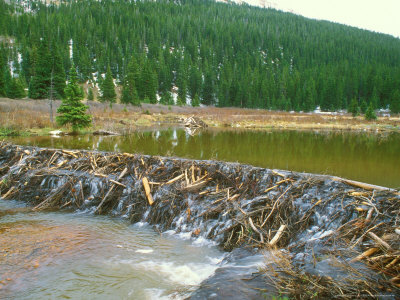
59 255
361 156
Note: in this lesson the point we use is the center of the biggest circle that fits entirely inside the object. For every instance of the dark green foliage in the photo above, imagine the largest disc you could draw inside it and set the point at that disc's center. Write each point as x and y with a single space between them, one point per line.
229 55
41 80
363 106
208 90
167 99
375 99
15 89
370 113
2 75
72 110
57 74
395 104
354 109
180 101
129 92
148 84
90 95
108 88
196 101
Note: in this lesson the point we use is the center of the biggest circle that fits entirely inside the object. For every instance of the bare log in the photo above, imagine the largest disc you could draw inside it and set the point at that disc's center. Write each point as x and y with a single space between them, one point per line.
147 190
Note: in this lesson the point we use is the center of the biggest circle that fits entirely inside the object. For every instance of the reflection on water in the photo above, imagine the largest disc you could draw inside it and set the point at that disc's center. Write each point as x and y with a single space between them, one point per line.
367 157
62 255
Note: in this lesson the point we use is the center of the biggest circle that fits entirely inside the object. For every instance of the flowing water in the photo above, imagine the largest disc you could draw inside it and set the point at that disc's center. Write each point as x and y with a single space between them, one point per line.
53 255
367 157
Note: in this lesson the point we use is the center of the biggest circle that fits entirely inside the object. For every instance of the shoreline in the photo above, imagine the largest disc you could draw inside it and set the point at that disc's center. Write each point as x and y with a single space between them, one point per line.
124 119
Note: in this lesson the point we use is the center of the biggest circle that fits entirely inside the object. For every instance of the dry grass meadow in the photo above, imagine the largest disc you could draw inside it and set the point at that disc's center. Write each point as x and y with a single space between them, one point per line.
33 116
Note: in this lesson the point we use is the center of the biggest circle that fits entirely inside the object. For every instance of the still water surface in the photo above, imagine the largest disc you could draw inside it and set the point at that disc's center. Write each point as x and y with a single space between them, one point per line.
367 157
56 255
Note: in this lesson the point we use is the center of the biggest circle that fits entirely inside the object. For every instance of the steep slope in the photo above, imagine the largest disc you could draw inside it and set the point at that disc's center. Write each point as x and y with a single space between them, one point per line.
228 55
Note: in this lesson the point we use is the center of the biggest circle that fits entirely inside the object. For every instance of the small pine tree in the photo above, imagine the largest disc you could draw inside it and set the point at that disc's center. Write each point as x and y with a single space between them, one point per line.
196 101
181 101
129 91
90 95
370 113
15 89
108 88
363 106
167 99
72 110
40 82
353 108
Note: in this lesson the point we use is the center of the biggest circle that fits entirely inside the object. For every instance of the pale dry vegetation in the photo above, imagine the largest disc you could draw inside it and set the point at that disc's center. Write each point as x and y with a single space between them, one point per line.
25 115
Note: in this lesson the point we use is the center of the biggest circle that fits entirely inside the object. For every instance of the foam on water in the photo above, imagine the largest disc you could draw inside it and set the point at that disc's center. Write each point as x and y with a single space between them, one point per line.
144 251
182 274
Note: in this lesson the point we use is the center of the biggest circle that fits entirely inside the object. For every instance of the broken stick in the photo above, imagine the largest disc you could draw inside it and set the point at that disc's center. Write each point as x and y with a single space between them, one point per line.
98 209
147 190
277 236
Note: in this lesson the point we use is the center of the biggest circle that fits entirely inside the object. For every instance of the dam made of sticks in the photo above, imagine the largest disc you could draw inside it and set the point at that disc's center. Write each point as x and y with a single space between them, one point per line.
332 236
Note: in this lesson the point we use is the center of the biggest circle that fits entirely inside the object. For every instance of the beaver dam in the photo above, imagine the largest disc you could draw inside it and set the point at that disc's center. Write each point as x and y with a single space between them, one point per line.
318 236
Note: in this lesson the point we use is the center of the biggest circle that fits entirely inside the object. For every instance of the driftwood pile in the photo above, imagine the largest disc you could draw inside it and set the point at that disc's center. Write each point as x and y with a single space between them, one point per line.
232 204
194 122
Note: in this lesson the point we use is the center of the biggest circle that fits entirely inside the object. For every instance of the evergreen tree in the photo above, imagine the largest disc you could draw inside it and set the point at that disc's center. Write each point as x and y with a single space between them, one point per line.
228 61
16 89
353 108
58 73
370 113
375 98
72 110
196 101
129 93
148 84
310 96
2 76
208 89
108 88
363 106
90 95
167 99
194 82
180 101
40 82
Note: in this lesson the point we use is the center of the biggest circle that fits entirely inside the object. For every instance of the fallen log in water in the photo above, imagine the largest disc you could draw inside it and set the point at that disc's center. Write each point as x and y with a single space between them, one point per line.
311 216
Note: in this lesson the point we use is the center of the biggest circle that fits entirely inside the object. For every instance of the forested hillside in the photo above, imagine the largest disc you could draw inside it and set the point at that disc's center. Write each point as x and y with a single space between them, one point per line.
218 54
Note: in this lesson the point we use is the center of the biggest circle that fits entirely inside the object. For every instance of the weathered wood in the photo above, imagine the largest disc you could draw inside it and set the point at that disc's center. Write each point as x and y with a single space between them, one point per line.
379 240
175 179
277 236
72 153
195 186
365 254
147 190
9 192
256 230
118 183
98 209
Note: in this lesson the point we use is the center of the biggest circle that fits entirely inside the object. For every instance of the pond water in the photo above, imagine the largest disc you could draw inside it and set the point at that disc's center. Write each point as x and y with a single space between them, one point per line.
53 255
367 157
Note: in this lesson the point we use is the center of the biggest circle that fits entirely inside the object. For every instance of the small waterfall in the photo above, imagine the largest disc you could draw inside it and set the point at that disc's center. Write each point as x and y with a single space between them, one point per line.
310 216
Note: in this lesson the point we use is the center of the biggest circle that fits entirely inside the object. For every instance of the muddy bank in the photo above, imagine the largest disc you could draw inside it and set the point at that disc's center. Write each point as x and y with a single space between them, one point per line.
336 237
